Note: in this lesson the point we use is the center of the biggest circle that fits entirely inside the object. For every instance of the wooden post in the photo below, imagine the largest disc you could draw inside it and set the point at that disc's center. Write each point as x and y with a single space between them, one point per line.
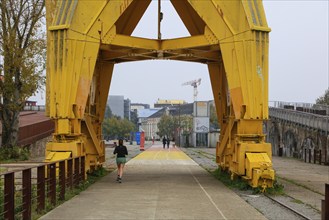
41 188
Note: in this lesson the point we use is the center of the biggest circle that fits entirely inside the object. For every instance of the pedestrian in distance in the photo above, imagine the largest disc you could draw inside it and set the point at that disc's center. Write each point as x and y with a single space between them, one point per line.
121 152
173 144
164 141
168 142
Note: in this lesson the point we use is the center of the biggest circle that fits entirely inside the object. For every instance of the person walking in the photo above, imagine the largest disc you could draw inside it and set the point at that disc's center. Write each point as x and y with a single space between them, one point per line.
168 142
164 141
121 152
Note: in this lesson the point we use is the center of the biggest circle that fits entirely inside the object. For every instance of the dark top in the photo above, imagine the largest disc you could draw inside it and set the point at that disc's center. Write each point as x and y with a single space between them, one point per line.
121 151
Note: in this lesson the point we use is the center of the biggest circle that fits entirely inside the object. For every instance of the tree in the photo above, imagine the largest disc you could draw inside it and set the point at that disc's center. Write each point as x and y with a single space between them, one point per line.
117 128
108 112
186 126
166 126
22 48
213 117
323 100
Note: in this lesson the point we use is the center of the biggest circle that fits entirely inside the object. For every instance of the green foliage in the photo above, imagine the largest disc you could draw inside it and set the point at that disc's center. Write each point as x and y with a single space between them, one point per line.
23 53
238 183
166 126
114 127
134 117
225 178
213 117
108 112
323 100
277 189
186 124
9 154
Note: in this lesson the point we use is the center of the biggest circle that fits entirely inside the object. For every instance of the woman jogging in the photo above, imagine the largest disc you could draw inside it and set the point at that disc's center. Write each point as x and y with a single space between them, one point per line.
121 152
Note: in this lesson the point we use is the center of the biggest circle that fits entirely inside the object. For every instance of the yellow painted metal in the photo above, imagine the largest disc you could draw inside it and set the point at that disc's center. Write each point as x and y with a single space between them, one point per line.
56 156
87 38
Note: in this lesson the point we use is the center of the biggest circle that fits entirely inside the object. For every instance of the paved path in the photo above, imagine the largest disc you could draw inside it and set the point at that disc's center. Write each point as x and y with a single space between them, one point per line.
157 184
297 172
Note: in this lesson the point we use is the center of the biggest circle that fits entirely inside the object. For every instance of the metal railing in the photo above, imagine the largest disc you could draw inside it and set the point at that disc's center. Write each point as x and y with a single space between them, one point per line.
28 191
39 108
296 105
314 121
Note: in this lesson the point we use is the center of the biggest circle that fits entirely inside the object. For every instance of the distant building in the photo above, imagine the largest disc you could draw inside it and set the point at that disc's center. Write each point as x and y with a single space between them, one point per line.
138 106
116 103
126 109
167 102
30 103
119 106
198 111
150 124
143 114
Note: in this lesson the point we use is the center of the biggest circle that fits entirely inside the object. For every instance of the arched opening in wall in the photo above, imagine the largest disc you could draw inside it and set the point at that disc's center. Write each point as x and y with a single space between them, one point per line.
290 144
308 147
274 139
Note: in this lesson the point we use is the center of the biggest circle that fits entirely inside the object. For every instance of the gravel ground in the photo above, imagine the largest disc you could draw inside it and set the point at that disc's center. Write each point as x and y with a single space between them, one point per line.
205 157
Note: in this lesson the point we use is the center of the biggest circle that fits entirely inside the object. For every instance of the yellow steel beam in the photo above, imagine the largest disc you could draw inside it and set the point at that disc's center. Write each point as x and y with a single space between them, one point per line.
192 21
131 16
134 42
186 42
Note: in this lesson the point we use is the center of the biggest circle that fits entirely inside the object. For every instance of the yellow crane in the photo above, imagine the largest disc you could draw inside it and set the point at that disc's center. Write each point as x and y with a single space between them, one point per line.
86 38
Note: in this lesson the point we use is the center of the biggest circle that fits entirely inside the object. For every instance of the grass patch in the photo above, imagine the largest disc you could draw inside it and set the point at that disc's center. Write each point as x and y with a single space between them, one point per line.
277 190
13 154
225 178
240 184
297 201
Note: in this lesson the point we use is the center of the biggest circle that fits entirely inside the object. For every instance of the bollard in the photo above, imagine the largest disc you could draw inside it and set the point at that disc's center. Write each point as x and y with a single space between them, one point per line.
325 204
320 157
323 209
314 155
309 155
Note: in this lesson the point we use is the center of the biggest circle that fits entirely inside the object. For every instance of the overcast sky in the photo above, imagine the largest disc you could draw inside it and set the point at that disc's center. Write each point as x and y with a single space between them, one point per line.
298 58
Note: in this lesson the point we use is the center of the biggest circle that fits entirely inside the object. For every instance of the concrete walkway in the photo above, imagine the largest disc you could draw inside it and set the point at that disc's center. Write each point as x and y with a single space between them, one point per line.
157 184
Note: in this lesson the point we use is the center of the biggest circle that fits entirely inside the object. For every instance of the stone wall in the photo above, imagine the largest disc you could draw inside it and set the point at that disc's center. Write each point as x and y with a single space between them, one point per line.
38 149
293 140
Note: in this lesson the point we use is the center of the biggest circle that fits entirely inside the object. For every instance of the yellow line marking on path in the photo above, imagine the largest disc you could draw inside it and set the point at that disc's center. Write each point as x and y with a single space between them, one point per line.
162 155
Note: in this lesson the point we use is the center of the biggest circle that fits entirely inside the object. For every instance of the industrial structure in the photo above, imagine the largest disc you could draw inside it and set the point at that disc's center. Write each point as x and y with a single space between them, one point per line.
195 83
87 38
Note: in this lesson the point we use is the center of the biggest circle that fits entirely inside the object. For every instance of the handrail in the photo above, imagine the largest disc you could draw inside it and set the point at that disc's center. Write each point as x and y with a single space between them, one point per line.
51 182
282 104
319 122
